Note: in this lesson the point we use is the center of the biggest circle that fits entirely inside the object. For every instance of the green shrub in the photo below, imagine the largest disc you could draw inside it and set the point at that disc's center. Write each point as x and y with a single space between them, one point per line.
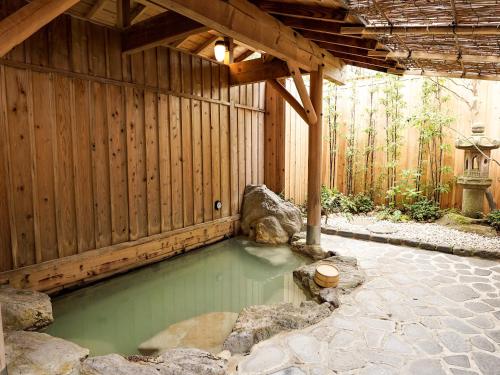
494 219
392 214
363 203
423 210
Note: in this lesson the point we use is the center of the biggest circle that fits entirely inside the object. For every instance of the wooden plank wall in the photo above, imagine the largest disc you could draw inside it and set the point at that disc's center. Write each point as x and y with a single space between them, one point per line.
98 150
286 146
488 114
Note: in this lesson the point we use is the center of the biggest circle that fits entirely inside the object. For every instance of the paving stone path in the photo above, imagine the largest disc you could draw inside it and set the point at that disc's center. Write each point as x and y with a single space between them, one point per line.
420 313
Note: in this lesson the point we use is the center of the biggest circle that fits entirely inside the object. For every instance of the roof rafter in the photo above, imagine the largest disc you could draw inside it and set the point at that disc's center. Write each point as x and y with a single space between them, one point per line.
162 29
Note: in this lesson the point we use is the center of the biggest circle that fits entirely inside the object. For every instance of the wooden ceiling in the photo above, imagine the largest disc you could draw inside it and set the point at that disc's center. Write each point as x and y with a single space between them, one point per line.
344 29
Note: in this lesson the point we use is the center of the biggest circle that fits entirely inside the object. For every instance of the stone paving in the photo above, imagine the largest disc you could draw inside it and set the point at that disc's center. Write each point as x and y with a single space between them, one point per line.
420 312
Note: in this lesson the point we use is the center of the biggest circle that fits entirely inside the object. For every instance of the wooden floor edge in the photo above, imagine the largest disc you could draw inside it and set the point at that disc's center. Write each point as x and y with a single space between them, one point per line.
92 265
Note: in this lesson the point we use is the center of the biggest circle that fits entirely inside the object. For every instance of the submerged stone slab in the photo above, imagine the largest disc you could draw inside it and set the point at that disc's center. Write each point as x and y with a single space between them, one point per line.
260 322
36 353
24 309
350 277
172 362
206 332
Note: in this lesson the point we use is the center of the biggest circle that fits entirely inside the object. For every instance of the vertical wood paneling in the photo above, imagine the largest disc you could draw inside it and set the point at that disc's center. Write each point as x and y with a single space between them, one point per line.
45 199
216 162
164 163
187 162
64 181
197 161
101 163
83 166
176 161
117 165
207 161
152 153
100 166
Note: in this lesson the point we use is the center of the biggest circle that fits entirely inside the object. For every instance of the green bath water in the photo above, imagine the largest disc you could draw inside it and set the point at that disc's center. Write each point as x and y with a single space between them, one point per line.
117 315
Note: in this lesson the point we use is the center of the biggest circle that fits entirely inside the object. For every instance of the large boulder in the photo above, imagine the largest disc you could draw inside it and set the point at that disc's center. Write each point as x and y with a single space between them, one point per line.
260 322
24 309
206 332
172 362
37 353
350 277
267 218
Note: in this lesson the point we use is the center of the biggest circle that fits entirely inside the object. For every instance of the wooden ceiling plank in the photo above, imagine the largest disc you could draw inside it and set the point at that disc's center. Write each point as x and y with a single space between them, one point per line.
244 55
20 25
136 12
122 13
205 44
302 10
159 30
247 23
98 5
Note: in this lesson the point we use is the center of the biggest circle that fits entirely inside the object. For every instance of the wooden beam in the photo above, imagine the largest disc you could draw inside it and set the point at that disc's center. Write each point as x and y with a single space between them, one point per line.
159 30
3 364
423 55
256 70
250 25
17 27
420 30
205 44
339 40
244 55
366 66
289 98
314 25
302 90
98 5
122 13
367 60
302 10
96 264
334 48
136 12
313 236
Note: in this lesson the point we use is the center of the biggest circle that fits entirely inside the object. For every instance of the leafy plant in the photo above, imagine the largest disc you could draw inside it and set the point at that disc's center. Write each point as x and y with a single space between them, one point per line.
363 203
494 219
423 210
392 214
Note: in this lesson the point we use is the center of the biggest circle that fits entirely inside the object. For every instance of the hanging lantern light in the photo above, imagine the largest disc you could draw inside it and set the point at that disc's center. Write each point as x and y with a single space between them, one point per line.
220 50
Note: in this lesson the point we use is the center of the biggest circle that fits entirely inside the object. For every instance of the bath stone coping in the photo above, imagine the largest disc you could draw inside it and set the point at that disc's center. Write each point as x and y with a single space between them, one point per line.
366 235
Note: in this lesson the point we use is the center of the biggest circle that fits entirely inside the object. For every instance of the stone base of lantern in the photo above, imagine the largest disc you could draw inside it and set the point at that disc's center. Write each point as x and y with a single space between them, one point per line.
472 202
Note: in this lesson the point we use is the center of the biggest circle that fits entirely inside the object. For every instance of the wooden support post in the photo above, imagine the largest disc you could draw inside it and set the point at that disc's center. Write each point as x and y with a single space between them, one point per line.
20 25
229 56
314 161
3 364
122 13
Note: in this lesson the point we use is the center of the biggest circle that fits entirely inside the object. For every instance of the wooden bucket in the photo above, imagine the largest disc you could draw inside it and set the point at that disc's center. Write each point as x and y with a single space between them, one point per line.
327 275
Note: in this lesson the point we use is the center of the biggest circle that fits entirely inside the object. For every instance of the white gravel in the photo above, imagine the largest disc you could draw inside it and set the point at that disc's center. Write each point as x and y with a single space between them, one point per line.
425 232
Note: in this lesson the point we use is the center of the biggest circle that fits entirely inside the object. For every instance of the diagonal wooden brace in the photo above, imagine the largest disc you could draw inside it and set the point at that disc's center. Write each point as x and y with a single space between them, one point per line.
304 95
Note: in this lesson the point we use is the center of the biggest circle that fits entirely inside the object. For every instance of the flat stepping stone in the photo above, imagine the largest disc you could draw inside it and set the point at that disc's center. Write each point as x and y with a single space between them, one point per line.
426 367
381 228
487 363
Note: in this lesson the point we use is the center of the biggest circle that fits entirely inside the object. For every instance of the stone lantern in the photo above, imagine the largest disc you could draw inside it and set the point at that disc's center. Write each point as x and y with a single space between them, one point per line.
475 179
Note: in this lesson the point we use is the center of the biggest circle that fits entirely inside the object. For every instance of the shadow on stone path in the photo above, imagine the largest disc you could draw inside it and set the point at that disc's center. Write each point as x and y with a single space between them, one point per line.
420 312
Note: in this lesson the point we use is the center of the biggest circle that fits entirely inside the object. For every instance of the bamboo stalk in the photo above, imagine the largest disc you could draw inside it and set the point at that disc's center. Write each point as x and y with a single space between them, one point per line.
3 364
421 30
423 55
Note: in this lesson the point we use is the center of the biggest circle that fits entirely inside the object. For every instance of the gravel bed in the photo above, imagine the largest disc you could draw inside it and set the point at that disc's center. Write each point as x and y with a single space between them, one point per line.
424 232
